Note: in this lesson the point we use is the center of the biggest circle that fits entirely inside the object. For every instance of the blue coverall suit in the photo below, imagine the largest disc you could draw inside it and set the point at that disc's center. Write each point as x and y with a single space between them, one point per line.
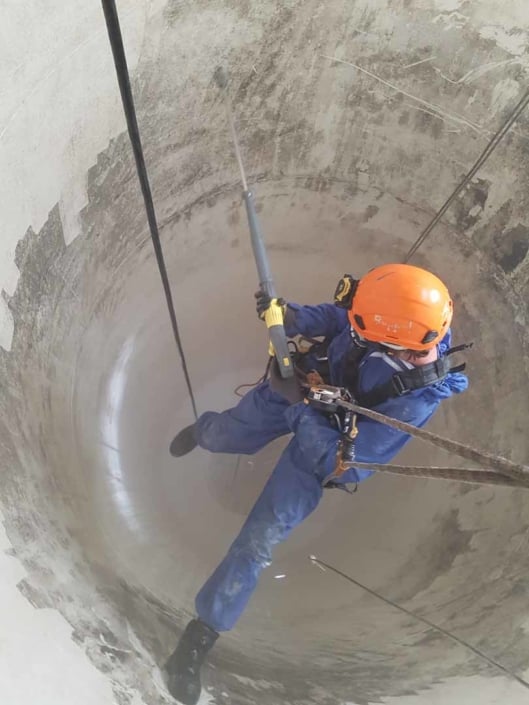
295 486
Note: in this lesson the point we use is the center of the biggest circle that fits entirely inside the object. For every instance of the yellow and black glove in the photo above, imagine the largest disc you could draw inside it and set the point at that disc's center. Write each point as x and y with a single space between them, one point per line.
273 312
263 301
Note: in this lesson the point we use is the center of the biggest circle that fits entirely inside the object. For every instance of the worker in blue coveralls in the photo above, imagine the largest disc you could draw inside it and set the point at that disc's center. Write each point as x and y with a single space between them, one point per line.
387 341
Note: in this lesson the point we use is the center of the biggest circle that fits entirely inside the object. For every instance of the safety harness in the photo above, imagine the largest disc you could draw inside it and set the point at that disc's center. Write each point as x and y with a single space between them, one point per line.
399 384
326 398
407 381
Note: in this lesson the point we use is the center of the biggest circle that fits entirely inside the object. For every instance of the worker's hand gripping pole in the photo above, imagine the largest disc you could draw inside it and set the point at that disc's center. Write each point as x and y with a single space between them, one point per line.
273 316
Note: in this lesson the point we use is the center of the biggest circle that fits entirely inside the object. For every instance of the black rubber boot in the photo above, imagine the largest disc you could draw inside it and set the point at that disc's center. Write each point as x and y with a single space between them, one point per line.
183 666
183 442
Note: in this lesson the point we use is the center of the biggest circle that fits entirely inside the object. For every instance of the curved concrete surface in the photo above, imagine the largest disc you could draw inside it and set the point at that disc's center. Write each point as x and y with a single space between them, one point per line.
349 165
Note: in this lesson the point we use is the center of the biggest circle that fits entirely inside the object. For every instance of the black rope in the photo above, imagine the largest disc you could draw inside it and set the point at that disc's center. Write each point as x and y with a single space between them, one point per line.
416 616
251 385
496 139
120 62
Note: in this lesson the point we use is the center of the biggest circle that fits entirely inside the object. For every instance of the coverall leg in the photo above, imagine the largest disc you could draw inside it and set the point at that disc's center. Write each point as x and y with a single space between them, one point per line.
258 419
288 497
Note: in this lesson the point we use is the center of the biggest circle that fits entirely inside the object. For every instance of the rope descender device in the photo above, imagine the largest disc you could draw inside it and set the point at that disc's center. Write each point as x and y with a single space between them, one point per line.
330 400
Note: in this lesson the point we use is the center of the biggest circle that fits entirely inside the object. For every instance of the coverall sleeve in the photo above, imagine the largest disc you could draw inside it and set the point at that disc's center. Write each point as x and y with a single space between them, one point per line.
375 443
322 320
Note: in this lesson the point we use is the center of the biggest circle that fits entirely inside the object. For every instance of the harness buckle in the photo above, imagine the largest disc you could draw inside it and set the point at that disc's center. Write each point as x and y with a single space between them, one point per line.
399 385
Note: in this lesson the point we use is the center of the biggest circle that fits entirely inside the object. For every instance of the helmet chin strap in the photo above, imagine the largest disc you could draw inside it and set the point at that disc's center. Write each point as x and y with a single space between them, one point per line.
361 341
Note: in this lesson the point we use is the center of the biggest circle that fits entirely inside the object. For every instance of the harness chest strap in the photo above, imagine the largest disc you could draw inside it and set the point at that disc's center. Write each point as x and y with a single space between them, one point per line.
407 381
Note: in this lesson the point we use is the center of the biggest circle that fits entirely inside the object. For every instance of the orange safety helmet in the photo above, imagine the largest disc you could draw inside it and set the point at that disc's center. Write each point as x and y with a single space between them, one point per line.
402 307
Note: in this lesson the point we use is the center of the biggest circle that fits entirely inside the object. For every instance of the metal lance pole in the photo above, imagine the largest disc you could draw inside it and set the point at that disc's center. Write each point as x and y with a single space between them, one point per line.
273 315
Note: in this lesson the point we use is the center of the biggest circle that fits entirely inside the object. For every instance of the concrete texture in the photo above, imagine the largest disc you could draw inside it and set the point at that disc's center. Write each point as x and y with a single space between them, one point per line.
112 536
